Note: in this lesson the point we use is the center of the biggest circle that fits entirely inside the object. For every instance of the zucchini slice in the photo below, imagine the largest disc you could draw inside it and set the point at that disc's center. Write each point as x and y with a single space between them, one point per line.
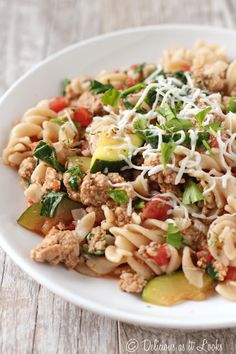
107 156
82 161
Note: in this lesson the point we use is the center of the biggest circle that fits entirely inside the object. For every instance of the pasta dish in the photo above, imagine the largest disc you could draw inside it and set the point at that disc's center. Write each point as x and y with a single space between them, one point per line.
132 174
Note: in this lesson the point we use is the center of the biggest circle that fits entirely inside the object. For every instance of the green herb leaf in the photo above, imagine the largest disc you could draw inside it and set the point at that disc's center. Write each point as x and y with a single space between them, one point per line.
65 83
47 153
192 193
75 172
200 116
151 97
136 88
167 150
111 97
119 196
231 106
180 75
139 68
207 146
138 204
212 272
173 236
50 202
58 121
215 126
127 104
167 112
177 124
98 87
140 126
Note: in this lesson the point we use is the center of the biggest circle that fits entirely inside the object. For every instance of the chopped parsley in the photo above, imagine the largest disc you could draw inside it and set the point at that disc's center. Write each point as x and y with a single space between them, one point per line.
207 146
167 150
47 153
138 204
167 112
192 193
212 272
119 196
180 75
111 97
58 121
200 116
75 172
65 83
173 236
50 203
139 68
98 87
231 106
136 88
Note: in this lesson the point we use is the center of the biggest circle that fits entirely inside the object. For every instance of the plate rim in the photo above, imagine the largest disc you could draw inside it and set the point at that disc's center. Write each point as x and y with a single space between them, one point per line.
64 293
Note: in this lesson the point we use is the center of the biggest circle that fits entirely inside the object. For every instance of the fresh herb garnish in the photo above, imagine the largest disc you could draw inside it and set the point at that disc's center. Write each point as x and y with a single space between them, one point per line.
111 97
151 97
167 150
132 89
65 83
75 172
139 68
98 87
212 272
140 127
127 104
180 75
58 121
192 193
177 124
214 126
207 146
50 203
119 196
200 116
167 112
173 236
138 204
47 153
231 106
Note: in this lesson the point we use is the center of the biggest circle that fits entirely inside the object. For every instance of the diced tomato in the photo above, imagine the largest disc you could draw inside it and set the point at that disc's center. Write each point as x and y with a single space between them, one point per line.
185 67
231 274
30 202
213 142
70 226
83 116
157 208
161 257
205 255
58 103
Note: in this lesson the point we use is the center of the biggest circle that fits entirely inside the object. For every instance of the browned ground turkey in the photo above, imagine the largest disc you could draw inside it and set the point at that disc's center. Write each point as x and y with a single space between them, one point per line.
92 102
132 282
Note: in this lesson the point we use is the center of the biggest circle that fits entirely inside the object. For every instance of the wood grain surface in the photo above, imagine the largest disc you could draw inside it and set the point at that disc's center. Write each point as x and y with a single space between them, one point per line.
32 319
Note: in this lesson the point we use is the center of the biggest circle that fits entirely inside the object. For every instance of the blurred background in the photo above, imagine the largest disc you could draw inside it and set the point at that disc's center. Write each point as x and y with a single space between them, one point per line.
33 320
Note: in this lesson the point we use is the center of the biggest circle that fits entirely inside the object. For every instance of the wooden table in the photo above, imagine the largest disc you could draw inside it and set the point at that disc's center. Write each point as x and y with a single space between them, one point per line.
32 319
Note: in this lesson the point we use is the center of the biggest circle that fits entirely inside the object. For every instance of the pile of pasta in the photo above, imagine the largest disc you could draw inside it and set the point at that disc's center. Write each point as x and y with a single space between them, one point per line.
158 192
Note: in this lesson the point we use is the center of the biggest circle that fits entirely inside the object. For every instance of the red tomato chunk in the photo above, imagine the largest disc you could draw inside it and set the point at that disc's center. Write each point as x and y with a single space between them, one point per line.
161 257
83 116
156 209
231 274
58 104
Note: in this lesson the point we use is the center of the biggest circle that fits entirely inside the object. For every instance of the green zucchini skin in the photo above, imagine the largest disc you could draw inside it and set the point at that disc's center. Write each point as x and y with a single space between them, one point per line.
107 166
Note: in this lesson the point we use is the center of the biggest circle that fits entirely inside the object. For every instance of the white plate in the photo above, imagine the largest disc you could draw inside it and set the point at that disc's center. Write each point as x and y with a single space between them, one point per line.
99 295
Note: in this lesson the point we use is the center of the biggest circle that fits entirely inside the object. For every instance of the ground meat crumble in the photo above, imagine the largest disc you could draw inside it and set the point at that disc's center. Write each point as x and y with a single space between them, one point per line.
132 282
59 246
